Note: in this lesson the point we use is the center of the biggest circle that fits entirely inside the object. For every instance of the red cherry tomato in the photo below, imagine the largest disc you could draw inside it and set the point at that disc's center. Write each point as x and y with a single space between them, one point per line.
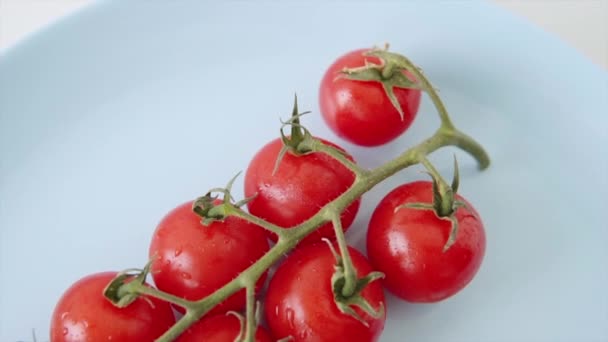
192 261
299 188
360 111
407 246
219 328
300 301
84 314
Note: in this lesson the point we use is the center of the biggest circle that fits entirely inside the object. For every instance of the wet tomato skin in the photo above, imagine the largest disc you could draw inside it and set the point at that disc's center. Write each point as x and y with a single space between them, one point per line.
191 260
299 188
300 303
83 314
361 112
407 246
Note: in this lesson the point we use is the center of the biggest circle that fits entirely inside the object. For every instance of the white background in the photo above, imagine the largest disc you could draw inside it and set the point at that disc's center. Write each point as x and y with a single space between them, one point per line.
581 23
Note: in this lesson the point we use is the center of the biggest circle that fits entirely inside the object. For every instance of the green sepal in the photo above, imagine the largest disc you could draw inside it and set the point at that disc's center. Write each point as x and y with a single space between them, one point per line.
443 196
111 292
246 200
119 292
243 321
444 203
228 190
281 154
241 336
208 210
389 73
346 304
453 233
369 72
385 55
286 339
299 142
417 205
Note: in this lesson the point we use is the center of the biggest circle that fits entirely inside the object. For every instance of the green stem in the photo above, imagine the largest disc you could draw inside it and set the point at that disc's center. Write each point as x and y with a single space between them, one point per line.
179 327
290 237
350 274
387 71
430 168
443 195
167 297
446 122
446 135
339 156
454 137
251 322
238 212
394 61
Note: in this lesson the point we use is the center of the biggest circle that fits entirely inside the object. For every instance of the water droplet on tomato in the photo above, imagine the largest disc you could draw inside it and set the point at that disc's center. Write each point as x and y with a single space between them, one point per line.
64 315
289 316
186 275
65 331
177 252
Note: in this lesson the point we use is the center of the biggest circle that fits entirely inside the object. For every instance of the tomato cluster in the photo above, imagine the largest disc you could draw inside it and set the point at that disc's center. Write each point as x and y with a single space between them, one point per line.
406 239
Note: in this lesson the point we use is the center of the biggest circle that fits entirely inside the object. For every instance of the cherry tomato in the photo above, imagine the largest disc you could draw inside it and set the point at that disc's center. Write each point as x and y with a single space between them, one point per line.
219 328
299 188
192 260
360 111
300 301
84 314
407 245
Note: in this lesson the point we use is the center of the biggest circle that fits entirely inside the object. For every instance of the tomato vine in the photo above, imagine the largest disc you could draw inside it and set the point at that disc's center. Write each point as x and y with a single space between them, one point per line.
122 292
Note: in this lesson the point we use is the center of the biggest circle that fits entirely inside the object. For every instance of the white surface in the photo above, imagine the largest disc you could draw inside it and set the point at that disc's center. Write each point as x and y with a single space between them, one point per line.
581 23
21 18
111 118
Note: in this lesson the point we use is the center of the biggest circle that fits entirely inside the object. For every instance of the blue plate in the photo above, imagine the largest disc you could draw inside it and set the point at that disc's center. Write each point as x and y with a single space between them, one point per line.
115 115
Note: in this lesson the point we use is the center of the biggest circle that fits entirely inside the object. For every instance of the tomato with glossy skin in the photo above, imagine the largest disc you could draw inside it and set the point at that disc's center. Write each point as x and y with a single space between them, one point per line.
84 314
219 328
360 111
299 188
407 245
191 260
300 301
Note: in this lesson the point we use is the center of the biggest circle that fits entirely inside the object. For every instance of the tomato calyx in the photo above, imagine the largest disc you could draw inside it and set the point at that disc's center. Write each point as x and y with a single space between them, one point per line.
444 203
389 73
300 141
210 208
347 303
122 290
